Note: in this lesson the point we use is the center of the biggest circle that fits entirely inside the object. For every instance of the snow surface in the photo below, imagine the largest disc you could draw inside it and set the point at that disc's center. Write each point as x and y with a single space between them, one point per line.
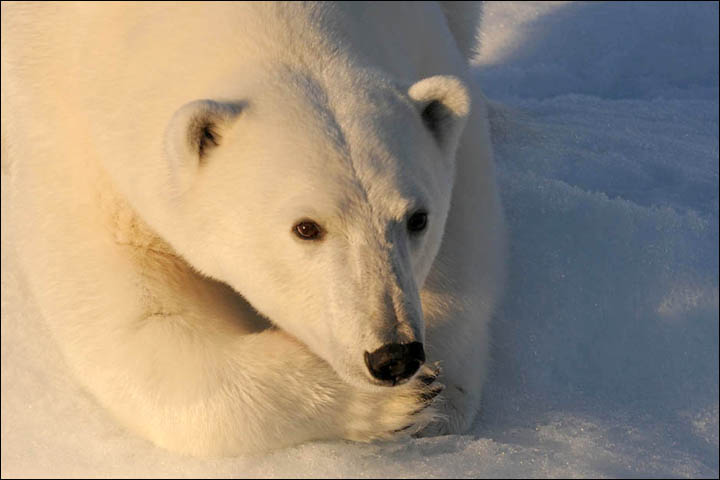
605 122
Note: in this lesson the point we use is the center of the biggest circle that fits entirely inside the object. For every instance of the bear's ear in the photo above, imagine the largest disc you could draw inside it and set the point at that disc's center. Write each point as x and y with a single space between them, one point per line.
443 103
194 131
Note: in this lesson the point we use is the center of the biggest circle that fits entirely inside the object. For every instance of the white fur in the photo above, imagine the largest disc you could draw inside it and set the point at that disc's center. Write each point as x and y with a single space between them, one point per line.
157 269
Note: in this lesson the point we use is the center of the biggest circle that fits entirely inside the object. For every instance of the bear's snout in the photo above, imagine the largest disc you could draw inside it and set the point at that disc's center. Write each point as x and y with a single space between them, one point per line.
395 362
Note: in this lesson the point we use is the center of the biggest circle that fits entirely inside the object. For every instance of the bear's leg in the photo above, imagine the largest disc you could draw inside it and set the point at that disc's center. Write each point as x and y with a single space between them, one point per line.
457 339
254 392
185 362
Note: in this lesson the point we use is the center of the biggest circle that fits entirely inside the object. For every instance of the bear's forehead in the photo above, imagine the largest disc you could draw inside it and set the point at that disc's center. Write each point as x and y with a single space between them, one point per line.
351 145
370 128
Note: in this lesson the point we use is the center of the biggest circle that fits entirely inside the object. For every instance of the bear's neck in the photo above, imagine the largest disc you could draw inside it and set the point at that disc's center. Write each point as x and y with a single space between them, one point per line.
123 223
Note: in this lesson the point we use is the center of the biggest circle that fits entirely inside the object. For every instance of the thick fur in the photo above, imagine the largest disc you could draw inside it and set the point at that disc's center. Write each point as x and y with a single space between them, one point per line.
160 157
464 22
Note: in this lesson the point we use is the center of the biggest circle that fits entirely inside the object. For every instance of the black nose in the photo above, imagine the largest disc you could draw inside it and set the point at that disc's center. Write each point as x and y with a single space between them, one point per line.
395 362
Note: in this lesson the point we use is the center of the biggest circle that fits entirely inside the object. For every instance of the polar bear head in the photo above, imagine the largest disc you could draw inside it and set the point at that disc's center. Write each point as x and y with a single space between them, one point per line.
324 208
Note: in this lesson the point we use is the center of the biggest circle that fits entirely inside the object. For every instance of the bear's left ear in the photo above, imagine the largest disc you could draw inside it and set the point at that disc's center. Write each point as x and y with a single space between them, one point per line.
443 104
194 131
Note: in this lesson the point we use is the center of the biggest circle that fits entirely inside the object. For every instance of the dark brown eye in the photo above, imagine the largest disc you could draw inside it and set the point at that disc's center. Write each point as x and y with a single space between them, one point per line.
417 222
308 230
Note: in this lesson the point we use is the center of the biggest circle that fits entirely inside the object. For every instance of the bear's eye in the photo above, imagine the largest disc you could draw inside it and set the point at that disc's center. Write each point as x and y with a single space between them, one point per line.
308 230
417 221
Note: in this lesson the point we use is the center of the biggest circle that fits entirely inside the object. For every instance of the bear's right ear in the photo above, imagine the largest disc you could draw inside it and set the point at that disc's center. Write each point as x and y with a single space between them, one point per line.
443 103
194 131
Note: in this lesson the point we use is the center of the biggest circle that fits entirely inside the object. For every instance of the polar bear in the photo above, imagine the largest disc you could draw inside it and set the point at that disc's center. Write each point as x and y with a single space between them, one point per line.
250 225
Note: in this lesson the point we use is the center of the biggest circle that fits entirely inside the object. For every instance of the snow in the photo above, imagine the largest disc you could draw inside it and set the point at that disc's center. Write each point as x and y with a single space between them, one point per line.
605 122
